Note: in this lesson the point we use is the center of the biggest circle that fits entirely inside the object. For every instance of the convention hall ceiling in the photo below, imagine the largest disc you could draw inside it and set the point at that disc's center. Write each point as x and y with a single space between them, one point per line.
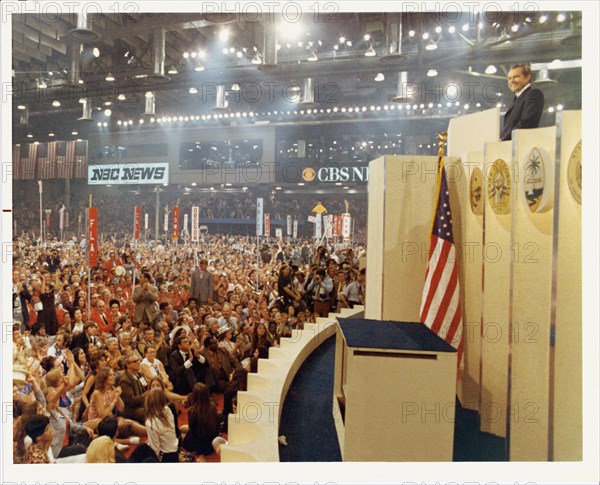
259 68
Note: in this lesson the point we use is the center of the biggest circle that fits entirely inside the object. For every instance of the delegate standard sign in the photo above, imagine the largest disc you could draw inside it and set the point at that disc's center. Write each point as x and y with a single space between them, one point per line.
128 173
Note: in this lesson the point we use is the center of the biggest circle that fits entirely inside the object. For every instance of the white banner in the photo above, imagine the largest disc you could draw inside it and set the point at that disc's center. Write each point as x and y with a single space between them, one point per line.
128 173
346 222
259 216
185 222
289 226
61 214
295 233
328 221
279 232
318 227
166 226
146 221
195 223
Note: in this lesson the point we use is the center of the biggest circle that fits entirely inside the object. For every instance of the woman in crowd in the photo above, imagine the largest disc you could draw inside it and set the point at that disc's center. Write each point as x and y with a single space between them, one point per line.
41 434
160 427
101 450
115 355
203 422
259 337
106 400
78 323
97 362
238 381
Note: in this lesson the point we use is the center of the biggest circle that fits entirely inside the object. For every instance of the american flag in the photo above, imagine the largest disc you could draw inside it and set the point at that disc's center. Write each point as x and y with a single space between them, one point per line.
80 159
17 165
441 309
47 161
29 155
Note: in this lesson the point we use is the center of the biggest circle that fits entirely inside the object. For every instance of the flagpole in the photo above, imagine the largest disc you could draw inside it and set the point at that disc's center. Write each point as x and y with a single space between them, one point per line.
89 288
442 137
41 227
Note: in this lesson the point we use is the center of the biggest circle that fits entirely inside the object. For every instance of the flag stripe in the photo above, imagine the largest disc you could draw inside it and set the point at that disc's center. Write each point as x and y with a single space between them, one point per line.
441 308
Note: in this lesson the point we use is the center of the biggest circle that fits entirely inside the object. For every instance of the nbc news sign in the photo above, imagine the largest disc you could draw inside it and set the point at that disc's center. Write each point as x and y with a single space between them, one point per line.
128 173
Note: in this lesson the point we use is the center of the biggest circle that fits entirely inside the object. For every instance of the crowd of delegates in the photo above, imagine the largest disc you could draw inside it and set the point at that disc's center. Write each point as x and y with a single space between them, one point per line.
218 206
156 333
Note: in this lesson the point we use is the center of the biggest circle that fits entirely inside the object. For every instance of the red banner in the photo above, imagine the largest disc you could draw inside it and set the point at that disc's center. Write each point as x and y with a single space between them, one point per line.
137 222
337 225
93 237
267 224
175 234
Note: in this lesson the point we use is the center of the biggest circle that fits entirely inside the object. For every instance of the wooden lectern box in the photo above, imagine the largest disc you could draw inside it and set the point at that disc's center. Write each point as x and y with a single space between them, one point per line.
394 393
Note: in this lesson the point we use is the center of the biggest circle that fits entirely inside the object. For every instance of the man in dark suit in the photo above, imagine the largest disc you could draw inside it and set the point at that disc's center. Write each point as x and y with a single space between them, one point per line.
528 104
202 286
187 367
134 388
89 335
221 362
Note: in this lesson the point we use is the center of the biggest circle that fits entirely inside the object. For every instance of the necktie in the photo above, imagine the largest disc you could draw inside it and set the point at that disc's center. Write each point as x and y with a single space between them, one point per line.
515 99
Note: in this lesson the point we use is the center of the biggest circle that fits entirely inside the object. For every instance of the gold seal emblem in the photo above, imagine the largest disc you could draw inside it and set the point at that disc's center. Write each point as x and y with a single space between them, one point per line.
308 174
476 192
574 180
498 187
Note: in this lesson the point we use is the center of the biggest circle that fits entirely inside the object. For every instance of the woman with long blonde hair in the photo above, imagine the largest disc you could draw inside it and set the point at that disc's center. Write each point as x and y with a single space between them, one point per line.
160 426
101 450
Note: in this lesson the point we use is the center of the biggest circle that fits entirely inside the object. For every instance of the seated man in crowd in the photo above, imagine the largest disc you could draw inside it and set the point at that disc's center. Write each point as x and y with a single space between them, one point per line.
134 388
187 366
221 362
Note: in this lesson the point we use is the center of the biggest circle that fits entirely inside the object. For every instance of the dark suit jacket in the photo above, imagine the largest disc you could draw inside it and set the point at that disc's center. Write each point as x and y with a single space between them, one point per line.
525 112
132 398
184 379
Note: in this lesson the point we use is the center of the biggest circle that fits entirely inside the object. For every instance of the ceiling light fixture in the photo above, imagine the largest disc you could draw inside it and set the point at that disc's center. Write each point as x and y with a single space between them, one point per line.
172 70
432 73
431 46
380 77
224 35
370 51
199 67
96 52
256 59
491 69
312 57
56 103
451 29
561 17
109 77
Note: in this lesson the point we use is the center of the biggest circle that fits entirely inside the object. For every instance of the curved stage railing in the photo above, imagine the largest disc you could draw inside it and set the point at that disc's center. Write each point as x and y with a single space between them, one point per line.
254 429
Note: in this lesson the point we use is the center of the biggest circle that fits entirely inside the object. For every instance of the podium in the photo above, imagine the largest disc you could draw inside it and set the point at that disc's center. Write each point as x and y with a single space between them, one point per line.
394 392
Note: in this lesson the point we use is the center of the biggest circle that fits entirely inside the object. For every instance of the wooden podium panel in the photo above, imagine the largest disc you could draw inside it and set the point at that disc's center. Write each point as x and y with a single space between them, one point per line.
530 315
394 392
495 304
566 372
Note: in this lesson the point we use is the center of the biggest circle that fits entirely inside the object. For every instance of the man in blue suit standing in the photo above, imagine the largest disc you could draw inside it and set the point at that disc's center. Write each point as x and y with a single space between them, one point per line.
528 104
